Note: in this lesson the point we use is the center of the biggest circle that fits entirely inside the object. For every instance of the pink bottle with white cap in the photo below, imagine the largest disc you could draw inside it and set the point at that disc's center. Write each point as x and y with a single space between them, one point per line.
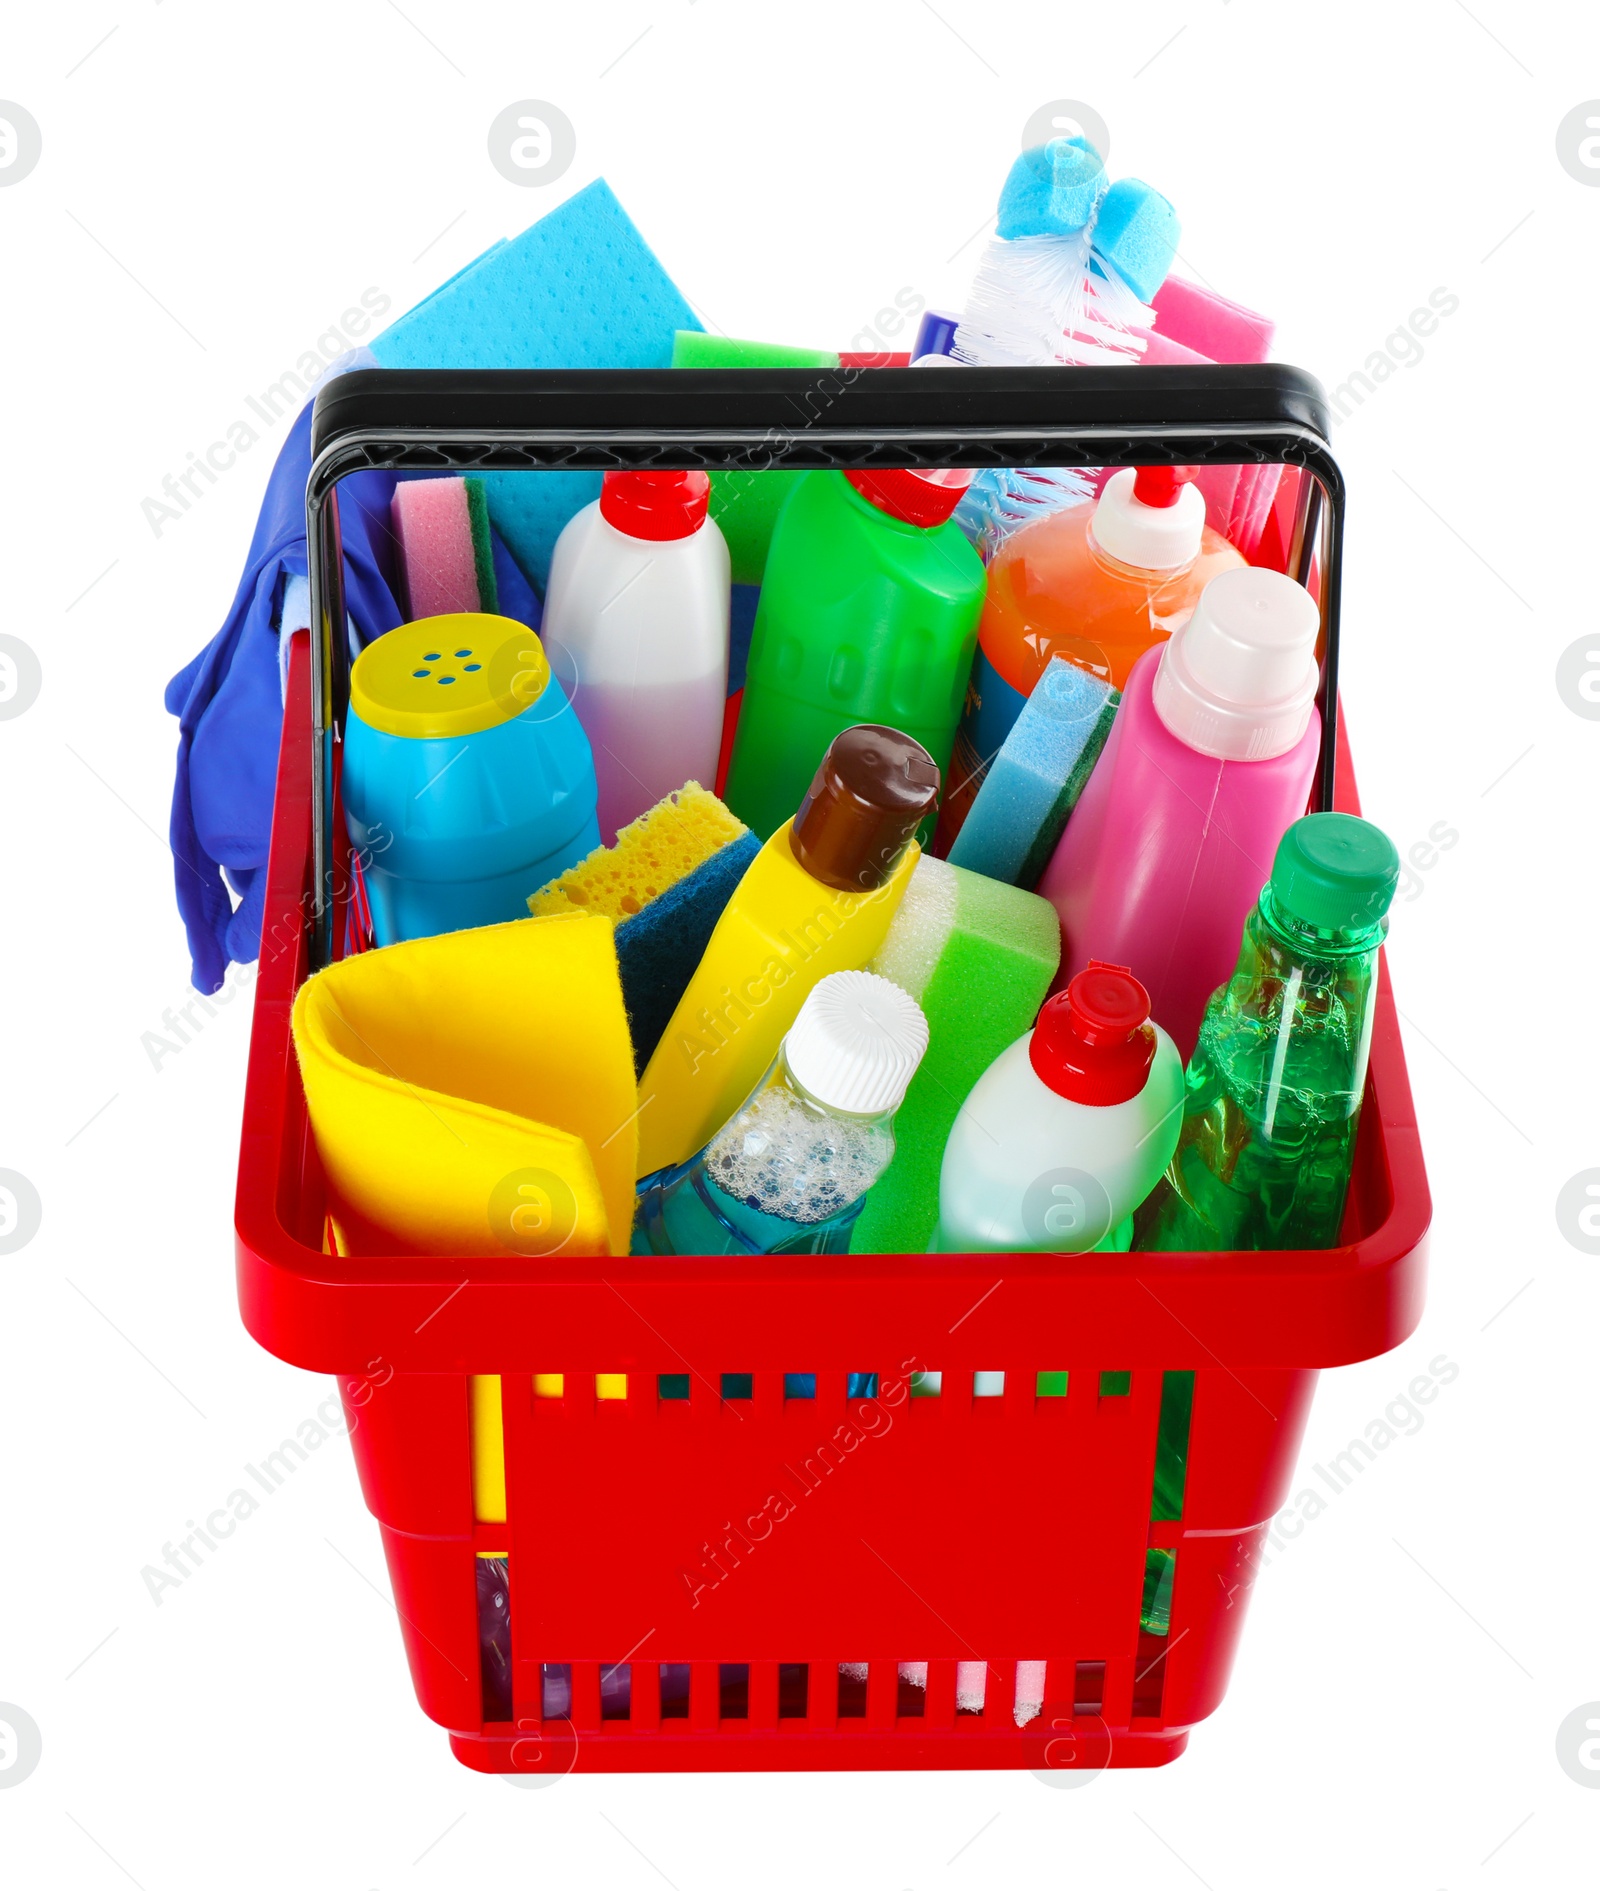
1210 758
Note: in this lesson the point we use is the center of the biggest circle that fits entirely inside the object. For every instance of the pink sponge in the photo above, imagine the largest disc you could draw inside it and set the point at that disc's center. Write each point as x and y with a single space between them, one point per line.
433 521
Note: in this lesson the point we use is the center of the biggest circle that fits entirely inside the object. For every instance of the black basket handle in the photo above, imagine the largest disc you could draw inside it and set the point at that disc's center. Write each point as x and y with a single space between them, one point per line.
757 420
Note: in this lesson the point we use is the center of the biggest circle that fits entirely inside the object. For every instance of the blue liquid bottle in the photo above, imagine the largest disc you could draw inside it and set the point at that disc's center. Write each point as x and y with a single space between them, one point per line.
789 1173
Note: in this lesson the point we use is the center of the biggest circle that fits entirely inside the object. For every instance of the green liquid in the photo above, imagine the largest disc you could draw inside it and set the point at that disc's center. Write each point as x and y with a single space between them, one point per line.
1272 1095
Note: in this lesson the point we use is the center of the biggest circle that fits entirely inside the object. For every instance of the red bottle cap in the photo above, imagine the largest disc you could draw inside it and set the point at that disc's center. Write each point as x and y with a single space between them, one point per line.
925 498
1093 1042
655 505
1159 486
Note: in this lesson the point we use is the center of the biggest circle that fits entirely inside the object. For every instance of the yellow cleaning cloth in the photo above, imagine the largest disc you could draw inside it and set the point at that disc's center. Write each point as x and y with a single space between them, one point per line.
473 1093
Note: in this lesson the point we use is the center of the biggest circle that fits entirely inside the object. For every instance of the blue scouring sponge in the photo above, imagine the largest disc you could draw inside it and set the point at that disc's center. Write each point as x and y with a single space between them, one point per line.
1051 190
660 946
1136 232
579 289
1036 777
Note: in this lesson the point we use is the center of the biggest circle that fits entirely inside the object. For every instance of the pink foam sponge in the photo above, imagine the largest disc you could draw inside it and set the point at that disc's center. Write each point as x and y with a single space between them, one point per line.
442 526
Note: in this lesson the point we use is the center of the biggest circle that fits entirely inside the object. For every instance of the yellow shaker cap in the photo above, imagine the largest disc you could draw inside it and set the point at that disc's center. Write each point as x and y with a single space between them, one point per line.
448 676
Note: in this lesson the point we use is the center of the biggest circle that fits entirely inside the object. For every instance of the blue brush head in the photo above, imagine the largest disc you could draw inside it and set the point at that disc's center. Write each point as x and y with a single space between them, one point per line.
1137 233
1051 190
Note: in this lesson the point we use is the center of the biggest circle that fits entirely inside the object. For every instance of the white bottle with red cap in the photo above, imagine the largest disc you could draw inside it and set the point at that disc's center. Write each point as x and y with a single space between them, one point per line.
636 630
1068 1130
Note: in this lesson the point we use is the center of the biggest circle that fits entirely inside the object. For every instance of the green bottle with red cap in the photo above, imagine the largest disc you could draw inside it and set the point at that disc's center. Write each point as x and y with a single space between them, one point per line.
868 613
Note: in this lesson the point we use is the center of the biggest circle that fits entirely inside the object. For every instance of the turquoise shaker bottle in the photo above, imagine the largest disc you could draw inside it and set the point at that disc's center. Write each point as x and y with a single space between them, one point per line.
468 780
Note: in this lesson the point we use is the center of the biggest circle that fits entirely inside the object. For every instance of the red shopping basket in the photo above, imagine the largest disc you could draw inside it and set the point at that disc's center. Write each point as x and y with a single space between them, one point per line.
702 1572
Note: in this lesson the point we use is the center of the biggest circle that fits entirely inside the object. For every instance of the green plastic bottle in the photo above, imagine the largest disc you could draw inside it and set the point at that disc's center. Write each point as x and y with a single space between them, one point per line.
1272 1095
868 613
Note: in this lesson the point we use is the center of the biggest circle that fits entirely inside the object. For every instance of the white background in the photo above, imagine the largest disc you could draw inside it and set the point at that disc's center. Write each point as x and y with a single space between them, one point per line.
218 183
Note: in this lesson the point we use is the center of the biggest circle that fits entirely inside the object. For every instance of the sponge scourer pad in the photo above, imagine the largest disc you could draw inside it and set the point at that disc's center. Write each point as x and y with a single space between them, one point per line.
666 882
663 845
1033 783
660 947
580 289
978 957
442 526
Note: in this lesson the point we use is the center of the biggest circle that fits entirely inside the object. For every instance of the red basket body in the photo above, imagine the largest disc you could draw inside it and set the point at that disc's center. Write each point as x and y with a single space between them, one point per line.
758 1539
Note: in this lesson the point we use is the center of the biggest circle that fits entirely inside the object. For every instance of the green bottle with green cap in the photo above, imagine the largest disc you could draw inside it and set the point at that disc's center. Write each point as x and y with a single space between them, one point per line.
1273 1092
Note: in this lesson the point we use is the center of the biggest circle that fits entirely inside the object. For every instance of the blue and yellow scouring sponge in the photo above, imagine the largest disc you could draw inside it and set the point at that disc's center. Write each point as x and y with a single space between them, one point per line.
665 884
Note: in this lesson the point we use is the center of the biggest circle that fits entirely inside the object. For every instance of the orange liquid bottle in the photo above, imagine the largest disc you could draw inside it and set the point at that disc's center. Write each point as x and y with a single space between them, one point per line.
1098 584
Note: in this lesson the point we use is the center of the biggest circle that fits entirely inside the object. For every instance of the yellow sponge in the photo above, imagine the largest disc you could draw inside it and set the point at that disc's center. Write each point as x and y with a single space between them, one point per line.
665 845
473 1093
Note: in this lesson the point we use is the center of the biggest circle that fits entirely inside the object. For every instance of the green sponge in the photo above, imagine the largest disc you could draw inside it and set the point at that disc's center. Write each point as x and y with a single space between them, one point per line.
978 956
746 504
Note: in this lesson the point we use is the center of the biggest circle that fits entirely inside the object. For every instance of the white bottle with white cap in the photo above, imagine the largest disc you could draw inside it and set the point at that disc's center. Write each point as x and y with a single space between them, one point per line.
788 1174
1211 756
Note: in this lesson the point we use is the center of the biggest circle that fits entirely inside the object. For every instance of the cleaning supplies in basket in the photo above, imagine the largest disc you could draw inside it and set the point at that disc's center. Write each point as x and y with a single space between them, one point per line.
817 899
473 1093
978 957
1273 1094
789 1173
665 884
868 614
1210 758
467 779
1068 1130
636 624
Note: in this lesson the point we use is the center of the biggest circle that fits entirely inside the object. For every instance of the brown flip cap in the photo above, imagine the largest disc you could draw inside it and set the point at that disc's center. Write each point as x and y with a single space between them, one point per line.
873 791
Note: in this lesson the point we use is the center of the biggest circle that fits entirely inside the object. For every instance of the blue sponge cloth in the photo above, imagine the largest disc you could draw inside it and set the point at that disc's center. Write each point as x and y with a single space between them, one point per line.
579 289
1051 190
1035 779
659 948
1136 232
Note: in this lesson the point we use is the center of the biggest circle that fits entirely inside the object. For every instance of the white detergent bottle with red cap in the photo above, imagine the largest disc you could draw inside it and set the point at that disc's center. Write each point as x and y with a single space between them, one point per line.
636 628
1210 758
1068 1130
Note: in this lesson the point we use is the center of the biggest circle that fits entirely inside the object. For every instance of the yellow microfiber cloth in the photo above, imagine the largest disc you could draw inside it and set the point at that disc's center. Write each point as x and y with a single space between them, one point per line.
473 1093
664 845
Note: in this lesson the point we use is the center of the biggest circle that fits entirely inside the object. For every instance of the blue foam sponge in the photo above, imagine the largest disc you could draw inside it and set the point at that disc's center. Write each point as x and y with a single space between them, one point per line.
659 948
1051 190
1136 232
1036 777
578 289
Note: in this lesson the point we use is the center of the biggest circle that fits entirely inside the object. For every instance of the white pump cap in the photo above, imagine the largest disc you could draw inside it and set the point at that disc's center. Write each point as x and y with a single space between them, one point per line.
856 1043
1159 537
1238 679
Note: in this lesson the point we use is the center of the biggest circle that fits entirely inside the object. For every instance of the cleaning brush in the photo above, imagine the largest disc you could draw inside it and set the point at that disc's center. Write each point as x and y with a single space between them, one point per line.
1066 281
1070 270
